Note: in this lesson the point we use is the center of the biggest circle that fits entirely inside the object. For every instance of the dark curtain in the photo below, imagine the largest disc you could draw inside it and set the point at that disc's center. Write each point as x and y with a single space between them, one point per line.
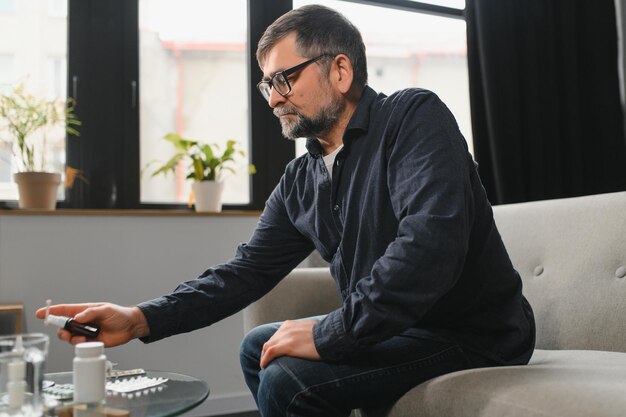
544 91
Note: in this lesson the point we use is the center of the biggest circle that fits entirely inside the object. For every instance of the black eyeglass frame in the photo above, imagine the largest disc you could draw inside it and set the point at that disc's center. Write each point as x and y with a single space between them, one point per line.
285 76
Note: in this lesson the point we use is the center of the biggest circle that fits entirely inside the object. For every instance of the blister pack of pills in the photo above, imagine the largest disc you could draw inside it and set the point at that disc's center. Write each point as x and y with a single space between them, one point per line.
61 392
125 385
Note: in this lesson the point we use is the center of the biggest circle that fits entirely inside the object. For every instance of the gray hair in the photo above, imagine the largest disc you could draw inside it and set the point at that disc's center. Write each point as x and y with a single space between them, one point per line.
319 30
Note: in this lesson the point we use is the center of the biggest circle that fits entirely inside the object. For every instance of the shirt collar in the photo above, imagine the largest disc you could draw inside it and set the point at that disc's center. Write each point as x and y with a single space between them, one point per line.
359 122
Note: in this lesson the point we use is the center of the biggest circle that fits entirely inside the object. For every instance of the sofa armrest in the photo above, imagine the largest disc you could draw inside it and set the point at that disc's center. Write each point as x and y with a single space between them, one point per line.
305 292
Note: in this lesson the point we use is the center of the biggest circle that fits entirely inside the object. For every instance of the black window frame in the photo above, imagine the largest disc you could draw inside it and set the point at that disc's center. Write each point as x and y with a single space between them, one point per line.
108 150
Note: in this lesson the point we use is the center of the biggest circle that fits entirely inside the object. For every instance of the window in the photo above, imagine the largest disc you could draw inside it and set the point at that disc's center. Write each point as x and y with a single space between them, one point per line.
193 81
142 68
412 49
456 4
7 6
7 74
39 62
56 82
57 8
112 91
7 187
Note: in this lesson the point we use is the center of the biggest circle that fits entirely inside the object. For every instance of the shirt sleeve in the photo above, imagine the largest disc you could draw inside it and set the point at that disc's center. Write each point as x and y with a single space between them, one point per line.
274 249
428 177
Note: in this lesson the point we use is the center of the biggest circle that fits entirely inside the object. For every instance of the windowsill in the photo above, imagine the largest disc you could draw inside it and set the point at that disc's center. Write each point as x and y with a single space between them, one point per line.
104 212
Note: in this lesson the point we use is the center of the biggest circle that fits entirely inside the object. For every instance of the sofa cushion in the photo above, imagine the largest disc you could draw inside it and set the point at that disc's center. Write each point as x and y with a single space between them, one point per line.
567 383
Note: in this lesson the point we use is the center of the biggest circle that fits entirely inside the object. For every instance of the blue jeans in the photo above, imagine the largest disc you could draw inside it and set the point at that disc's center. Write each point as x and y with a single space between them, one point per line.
373 378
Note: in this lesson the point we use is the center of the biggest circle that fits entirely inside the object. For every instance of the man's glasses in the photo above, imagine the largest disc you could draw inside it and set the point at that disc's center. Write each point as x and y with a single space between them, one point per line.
280 80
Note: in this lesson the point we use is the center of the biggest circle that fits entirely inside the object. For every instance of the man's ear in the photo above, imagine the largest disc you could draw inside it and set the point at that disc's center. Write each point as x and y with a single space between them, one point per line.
343 73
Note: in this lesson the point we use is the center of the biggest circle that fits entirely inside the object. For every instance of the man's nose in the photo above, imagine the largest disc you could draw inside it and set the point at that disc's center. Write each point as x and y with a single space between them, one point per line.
275 98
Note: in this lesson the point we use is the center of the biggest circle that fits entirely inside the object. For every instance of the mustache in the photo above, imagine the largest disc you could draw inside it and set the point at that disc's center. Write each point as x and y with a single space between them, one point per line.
281 111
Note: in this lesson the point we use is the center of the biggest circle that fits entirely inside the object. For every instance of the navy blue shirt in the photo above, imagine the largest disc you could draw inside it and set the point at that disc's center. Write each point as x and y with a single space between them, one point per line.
406 226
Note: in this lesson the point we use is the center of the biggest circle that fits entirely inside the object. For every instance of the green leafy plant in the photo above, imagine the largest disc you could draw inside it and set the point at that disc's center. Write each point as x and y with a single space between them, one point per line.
23 114
206 161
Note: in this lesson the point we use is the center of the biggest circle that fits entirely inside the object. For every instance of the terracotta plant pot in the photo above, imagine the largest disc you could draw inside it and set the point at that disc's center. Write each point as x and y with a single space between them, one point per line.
208 195
37 190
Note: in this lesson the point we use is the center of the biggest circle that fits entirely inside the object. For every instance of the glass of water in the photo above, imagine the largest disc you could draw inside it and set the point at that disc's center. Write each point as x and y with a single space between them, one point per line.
22 360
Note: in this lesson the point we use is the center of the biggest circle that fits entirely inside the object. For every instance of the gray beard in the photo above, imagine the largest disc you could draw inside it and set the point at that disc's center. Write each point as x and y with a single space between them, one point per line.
315 126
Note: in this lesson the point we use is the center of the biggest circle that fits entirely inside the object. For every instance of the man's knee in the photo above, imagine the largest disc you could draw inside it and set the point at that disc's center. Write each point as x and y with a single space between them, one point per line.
288 386
277 386
253 341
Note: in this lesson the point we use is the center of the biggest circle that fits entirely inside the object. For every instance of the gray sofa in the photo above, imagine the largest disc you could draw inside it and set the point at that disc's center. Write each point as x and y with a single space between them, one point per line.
571 254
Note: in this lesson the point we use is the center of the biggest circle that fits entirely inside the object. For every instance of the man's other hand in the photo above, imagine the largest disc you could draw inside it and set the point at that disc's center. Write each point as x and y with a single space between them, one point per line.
293 338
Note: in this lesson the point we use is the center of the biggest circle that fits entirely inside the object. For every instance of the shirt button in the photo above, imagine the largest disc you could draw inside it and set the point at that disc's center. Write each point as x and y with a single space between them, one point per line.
336 207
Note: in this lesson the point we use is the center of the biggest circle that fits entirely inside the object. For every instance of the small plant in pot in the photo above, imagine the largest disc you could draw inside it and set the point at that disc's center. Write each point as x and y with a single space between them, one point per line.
25 121
207 166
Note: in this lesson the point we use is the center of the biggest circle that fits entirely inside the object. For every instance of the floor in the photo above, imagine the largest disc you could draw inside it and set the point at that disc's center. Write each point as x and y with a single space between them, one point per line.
246 414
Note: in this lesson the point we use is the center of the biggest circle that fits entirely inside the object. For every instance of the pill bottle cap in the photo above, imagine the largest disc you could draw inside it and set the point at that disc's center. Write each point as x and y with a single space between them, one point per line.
89 349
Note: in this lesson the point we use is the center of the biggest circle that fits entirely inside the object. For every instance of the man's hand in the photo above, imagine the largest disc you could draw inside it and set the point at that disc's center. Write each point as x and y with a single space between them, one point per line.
293 338
118 325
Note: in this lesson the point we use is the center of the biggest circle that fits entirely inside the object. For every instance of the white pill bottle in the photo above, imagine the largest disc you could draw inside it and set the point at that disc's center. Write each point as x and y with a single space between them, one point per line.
89 373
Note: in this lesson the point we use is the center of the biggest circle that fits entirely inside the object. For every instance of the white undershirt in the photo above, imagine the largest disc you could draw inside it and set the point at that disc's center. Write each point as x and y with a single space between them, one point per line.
329 160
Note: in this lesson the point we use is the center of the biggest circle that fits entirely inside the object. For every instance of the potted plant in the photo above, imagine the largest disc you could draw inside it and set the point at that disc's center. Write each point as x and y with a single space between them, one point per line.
25 119
207 166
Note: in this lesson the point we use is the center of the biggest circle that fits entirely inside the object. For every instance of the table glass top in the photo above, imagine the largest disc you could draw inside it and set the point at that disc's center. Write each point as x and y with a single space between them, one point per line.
179 394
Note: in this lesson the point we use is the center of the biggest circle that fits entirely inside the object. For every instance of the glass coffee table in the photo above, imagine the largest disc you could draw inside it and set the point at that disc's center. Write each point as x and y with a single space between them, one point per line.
178 394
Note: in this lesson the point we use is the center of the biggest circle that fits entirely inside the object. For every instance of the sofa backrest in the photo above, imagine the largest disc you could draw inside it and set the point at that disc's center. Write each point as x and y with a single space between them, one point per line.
571 255
305 292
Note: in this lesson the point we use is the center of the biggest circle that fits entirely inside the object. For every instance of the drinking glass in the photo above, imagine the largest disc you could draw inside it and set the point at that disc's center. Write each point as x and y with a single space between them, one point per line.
22 360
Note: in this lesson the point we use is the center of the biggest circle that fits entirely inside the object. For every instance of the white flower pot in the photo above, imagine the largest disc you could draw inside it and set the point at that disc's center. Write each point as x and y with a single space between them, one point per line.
208 195
37 190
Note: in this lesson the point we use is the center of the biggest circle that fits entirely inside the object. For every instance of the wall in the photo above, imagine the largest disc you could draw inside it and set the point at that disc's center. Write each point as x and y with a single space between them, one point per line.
128 259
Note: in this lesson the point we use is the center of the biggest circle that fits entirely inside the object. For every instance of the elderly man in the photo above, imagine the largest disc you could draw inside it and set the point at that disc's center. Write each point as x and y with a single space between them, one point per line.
390 196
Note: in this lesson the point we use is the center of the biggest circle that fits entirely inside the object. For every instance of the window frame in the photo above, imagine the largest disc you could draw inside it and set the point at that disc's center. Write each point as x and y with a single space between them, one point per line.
120 187
415 6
